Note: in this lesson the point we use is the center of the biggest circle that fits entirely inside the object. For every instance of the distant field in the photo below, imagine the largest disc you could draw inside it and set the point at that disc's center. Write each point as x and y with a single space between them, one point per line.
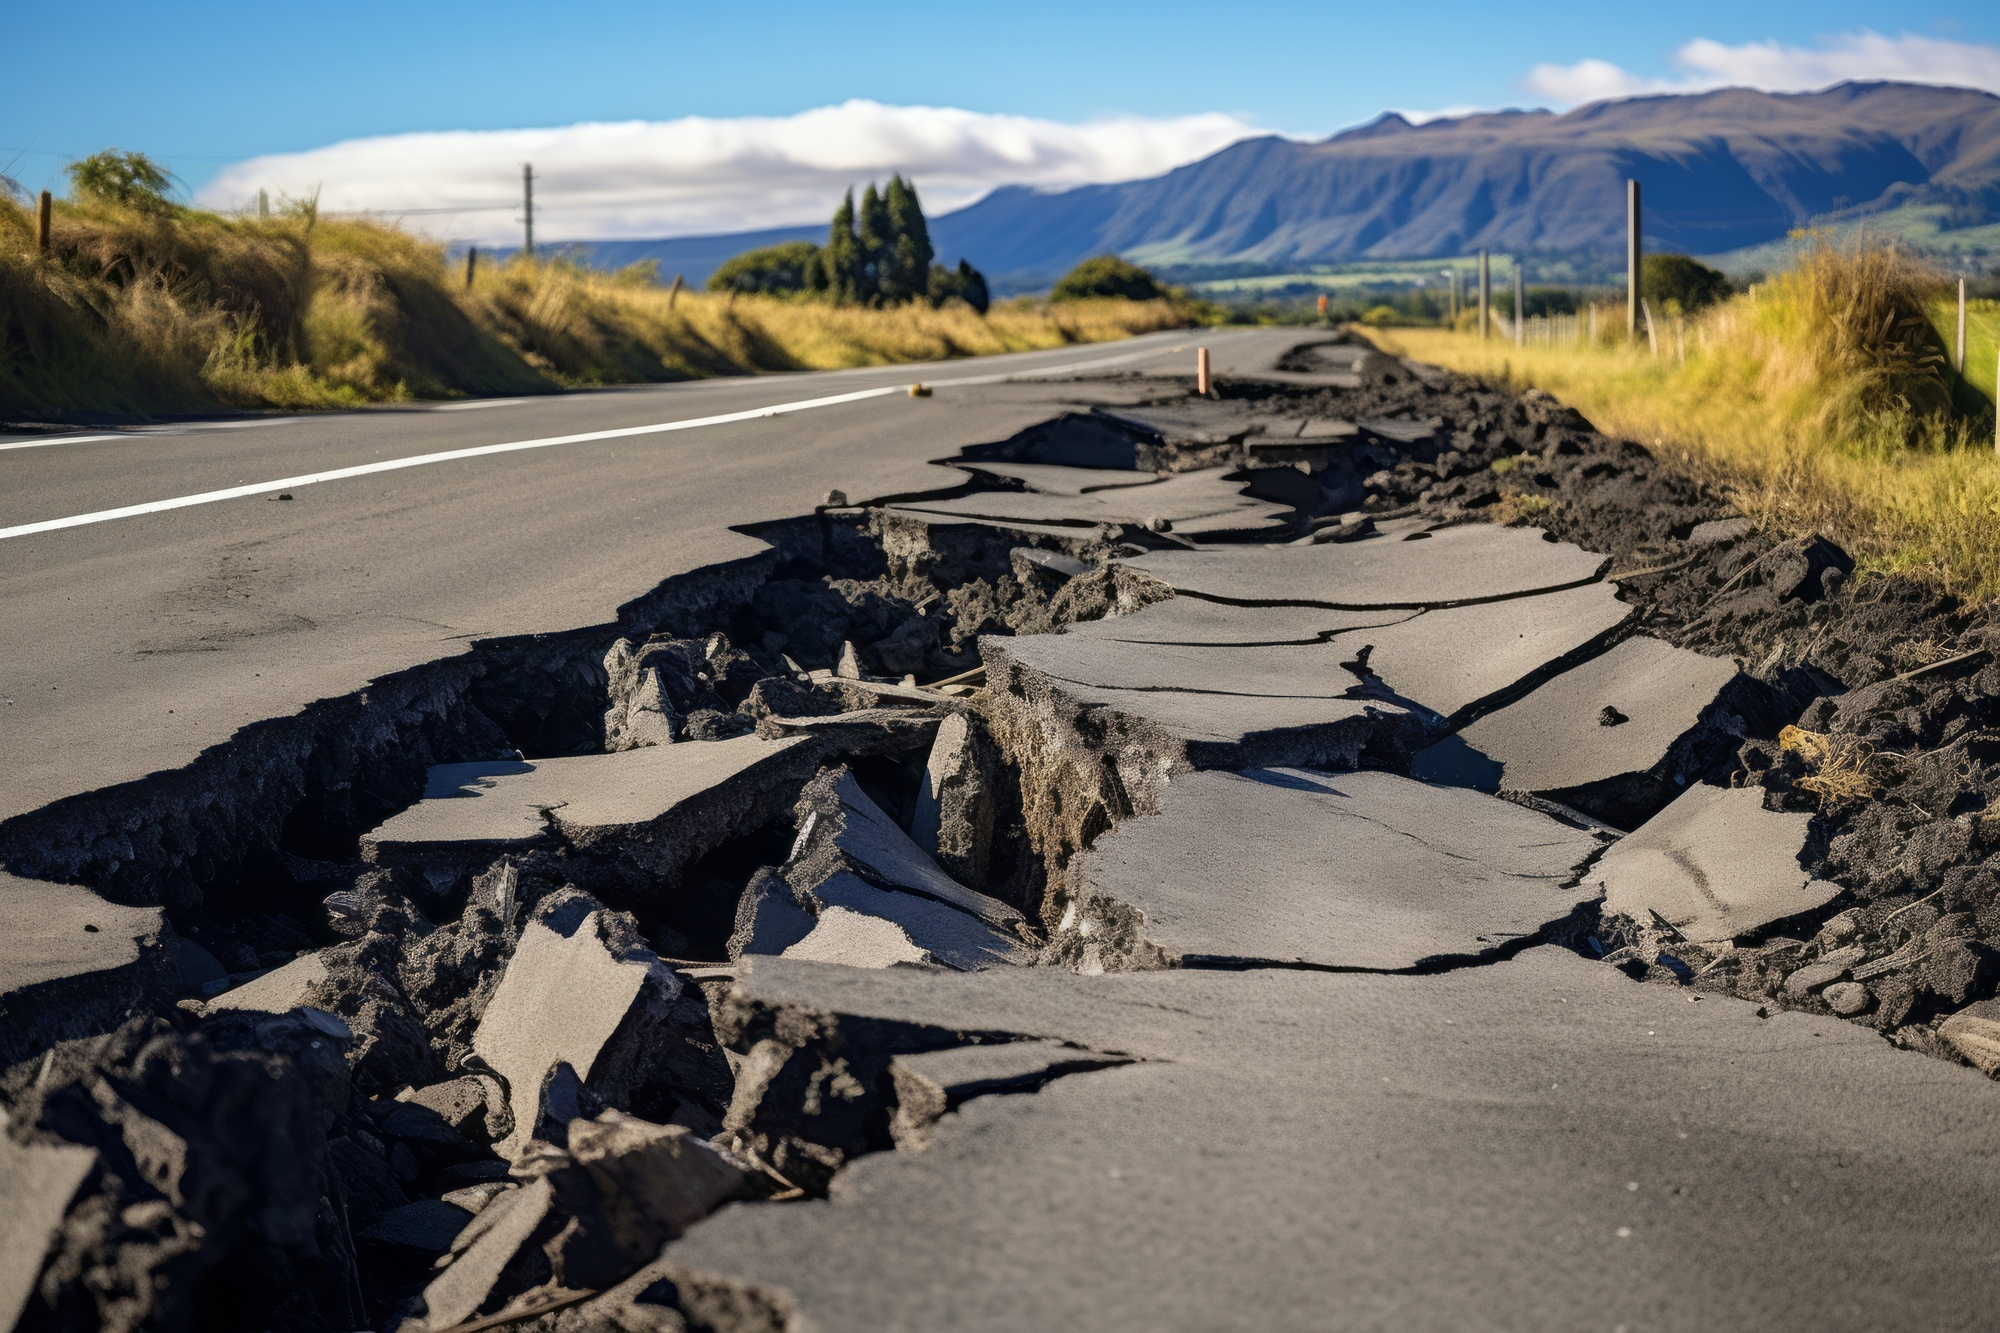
1794 403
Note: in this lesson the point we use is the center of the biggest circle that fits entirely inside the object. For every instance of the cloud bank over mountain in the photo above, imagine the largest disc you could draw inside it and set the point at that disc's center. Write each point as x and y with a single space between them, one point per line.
1778 68
699 174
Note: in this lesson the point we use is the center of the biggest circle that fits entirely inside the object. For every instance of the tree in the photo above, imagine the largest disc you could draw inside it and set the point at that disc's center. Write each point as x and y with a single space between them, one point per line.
112 177
1107 276
965 283
878 244
906 265
843 254
1686 282
774 269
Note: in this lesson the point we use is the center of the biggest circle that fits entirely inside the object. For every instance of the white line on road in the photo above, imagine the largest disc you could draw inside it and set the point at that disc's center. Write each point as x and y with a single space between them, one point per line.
517 446
423 460
58 439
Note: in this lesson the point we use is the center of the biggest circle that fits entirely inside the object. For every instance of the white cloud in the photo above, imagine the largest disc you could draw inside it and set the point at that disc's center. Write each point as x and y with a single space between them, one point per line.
698 175
1776 67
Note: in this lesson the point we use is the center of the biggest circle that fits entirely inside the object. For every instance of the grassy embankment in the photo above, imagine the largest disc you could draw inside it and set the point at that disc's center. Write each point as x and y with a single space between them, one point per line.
144 310
1824 399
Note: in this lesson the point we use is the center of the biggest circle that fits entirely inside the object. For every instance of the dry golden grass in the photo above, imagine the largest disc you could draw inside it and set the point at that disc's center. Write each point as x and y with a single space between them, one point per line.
173 310
1842 768
1821 401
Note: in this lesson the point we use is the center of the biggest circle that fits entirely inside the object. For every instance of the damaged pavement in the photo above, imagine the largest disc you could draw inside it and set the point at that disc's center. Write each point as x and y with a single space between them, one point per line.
1361 849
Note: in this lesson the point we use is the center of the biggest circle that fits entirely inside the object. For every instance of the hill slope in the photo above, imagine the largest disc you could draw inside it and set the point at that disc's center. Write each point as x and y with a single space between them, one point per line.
1720 171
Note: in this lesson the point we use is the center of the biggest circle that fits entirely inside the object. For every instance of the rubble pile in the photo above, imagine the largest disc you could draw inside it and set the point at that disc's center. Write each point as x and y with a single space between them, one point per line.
973 846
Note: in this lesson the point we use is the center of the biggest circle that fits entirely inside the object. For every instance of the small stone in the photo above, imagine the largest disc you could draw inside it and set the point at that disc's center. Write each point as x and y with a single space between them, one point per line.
472 1198
1609 716
836 499
849 666
1847 998
1159 524
1840 928
1974 1032
1812 977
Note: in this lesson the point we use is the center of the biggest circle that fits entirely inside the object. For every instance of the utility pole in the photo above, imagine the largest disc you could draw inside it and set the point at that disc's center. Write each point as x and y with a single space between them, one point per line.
1485 296
1520 305
528 209
1631 260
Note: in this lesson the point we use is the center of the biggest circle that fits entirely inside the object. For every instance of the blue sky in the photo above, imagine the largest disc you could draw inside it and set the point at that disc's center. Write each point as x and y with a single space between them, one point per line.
207 85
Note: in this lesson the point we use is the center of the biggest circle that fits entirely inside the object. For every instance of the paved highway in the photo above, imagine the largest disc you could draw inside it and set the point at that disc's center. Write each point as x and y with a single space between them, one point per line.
128 644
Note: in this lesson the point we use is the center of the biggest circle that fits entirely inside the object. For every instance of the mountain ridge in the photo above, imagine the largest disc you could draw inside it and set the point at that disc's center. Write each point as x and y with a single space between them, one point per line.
1720 170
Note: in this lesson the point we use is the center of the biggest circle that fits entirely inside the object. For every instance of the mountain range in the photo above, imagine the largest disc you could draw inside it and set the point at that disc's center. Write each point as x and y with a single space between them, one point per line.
1719 171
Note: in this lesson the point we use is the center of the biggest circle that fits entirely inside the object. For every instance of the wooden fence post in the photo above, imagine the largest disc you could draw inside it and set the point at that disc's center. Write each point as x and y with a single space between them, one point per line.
674 292
1520 305
471 264
1201 371
1958 356
44 210
1485 297
1632 256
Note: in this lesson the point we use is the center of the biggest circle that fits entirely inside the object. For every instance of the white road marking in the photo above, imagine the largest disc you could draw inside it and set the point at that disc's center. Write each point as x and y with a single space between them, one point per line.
479 403
57 439
517 446
424 460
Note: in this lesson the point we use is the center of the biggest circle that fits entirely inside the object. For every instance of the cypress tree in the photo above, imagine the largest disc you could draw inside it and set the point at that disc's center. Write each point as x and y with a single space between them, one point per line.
911 253
843 258
878 246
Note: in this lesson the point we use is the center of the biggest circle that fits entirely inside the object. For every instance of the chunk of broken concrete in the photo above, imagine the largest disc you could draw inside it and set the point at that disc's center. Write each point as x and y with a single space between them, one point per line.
1451 567
956 799
74 965
630 1186
855 939
1556 742
841 828
1714 864
925 930
581 991
1355 870
655 809
278 991
483 1251
769 917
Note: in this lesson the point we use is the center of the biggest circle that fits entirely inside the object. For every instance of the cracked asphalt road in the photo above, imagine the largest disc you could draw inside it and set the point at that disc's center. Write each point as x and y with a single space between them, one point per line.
128 647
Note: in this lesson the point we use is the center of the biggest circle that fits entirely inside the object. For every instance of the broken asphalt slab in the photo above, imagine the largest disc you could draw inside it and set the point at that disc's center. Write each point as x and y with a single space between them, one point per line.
1191 503
1715 864
1473 1149
1617 737
1448 567
73 964
660 806
1350 870
1450 661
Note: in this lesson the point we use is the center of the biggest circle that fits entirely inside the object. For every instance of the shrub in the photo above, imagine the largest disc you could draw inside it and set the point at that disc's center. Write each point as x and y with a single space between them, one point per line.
1107 275
775 270
1688 283
112 177
964 283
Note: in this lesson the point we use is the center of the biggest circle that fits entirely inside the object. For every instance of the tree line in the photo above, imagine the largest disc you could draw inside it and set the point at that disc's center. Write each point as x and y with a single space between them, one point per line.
877 253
